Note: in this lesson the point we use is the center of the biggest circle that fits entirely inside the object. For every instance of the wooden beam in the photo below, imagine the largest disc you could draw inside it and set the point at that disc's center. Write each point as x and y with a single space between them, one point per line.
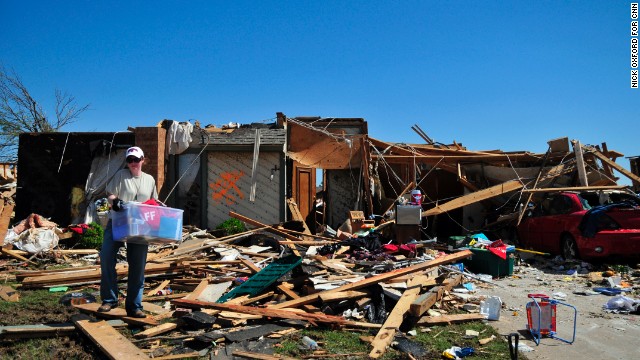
157 330
447 259
428 299
475 197
275 313
576 188
158 288
113 344
267 228
449 319
14 255
388 331
297 215
614 165
582 171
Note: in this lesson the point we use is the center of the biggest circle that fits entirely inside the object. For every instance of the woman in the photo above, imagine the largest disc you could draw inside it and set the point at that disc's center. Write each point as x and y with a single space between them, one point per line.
130 184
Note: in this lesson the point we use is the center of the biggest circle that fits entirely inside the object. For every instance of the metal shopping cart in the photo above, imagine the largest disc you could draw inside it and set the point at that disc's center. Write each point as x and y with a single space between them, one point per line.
541 318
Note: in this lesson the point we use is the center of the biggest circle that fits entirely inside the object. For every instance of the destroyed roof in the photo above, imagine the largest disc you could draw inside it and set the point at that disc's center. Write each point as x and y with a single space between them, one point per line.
244 136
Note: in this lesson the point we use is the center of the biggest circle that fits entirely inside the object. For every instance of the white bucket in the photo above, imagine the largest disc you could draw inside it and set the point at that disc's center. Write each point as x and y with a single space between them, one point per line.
490 307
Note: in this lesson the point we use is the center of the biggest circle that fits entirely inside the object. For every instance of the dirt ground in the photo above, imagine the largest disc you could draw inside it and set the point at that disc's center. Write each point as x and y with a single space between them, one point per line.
598 335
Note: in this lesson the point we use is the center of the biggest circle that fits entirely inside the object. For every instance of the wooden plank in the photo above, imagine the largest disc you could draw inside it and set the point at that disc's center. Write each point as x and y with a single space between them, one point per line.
116 313
157 330
614 165
275 313
158 288
249 264
198 290
110 341
268 228
7 293
475 197
5 219
449 319
447 259
582 171
297 216
343 295
14 255
386 334
45 330
427 300
576 188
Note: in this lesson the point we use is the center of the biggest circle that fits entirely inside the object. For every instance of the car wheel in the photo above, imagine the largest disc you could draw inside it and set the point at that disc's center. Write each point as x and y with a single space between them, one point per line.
569 248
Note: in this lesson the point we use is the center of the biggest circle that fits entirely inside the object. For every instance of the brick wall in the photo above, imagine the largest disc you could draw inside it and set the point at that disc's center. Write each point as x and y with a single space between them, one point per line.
152 140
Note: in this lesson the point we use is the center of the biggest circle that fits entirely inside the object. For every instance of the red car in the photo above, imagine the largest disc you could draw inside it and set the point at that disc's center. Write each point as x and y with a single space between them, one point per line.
584 225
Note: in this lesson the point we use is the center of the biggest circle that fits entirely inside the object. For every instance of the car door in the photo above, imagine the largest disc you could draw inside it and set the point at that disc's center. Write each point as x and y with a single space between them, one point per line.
561 207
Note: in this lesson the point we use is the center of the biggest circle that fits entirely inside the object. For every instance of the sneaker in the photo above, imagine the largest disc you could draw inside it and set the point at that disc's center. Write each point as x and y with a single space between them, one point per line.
106 307
137 314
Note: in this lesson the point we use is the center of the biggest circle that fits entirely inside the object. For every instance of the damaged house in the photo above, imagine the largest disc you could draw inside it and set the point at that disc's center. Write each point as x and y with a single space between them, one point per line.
269 172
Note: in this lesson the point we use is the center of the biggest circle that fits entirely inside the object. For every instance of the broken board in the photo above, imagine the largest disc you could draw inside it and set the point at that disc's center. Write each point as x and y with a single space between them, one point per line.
110 341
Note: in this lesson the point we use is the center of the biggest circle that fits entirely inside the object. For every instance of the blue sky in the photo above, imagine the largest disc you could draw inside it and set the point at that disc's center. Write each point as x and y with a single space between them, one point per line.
490 75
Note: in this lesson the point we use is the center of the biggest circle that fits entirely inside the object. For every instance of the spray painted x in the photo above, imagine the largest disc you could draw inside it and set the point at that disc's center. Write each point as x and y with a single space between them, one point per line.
223 186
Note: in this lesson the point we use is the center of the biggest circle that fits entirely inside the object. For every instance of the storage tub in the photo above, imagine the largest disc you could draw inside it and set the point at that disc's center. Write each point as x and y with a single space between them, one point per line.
485 262
147 224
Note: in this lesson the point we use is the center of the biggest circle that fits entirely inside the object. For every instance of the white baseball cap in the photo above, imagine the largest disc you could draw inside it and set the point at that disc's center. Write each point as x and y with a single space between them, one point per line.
134 151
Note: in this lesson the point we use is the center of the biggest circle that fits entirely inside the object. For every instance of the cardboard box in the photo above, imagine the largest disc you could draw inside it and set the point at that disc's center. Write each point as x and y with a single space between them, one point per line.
147 224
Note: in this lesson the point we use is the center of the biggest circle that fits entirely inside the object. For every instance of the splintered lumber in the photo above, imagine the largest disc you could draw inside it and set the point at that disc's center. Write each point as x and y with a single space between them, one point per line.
449 319
274 313
93 275
447 259
158 288
249 264
614 165
475 197
268 228
115 313
386 334
5 219
426 300
110 341
198 290
17 256
576 188
297 215
339 296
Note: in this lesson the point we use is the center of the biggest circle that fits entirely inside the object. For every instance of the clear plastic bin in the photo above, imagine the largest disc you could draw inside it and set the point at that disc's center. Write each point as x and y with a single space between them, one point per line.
147 224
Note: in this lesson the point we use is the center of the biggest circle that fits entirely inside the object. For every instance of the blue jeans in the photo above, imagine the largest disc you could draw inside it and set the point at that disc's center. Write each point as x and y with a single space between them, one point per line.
137 259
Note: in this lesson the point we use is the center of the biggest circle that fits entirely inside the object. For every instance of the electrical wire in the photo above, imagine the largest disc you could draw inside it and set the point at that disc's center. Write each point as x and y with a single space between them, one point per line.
189 167
63 151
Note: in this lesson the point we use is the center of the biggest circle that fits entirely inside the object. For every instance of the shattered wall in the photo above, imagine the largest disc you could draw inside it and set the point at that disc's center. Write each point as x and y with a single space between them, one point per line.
52 165
342 197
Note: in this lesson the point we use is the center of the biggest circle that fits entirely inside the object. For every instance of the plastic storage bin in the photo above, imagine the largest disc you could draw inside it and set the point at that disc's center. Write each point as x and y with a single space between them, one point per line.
147 224
485 262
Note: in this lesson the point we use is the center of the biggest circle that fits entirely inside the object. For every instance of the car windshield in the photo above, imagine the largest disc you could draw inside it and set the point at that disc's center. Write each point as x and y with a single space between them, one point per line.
584 202
596 198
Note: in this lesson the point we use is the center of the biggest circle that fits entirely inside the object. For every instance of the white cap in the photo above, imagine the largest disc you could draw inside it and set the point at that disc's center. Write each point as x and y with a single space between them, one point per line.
134 151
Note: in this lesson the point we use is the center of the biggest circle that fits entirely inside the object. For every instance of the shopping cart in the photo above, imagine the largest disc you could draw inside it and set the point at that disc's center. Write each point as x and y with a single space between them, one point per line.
541 318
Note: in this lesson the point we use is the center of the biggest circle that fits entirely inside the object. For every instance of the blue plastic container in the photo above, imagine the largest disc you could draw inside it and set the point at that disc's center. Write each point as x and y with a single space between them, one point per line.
147 224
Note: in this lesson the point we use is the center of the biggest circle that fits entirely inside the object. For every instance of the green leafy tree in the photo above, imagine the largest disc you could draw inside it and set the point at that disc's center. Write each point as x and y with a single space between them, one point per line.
20 112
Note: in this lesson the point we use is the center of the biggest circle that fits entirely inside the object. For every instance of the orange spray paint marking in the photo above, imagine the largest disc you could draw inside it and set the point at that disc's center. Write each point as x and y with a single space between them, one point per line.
223 186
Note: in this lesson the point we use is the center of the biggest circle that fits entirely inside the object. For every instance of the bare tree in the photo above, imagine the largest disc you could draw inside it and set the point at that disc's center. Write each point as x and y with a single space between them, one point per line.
20 112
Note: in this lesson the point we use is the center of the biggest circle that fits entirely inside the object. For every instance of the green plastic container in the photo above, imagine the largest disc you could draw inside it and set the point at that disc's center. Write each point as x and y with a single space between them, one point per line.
485 262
